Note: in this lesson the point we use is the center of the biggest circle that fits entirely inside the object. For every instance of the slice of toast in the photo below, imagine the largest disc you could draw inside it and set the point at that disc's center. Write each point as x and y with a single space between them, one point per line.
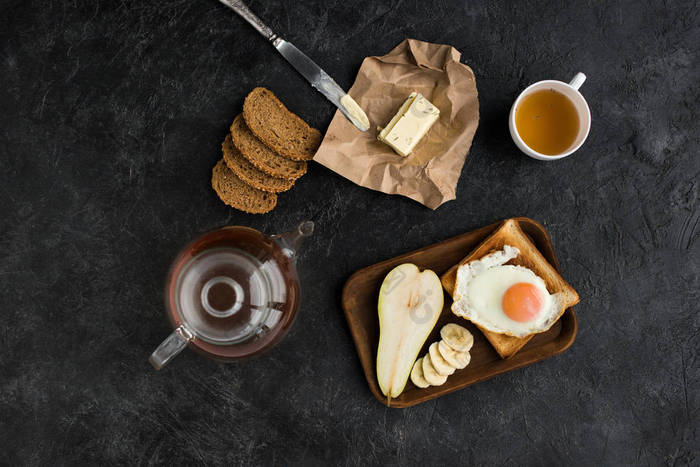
248 173
238 194
281 130
262 157
510 233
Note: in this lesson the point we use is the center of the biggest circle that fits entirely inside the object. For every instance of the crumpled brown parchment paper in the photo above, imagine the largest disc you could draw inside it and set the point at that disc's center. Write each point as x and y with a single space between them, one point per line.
430 173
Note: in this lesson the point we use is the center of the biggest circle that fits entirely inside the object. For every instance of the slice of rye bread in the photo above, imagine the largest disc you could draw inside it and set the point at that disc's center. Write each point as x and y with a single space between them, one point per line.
278 128
238 194
510 233
248 173
262 157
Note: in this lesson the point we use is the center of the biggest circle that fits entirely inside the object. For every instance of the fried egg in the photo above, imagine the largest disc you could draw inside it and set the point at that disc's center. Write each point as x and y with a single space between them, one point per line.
504 298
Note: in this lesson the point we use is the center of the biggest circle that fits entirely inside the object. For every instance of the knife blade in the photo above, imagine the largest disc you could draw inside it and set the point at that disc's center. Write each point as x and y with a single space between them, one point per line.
313 73
320 80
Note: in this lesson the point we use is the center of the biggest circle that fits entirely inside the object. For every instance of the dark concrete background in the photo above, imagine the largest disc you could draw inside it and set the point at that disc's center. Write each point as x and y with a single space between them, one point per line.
112 118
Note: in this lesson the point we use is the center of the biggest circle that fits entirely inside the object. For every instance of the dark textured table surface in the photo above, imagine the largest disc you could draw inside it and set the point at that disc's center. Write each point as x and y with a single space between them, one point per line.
112 118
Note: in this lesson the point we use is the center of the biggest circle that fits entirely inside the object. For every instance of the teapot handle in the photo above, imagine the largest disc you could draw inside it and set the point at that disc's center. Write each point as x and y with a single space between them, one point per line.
170 347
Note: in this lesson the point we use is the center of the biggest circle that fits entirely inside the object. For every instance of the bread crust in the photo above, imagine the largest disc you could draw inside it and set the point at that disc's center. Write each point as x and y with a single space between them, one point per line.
236 193
281 130
248 173
263 158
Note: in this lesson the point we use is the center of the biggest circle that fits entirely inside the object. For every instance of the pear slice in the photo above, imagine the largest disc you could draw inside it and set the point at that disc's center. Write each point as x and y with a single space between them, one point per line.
440 364
454 357
430 373
417 374
410 303
457 337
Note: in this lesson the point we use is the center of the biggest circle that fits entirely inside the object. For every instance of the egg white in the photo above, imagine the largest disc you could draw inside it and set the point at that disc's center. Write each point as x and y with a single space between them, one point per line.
480 289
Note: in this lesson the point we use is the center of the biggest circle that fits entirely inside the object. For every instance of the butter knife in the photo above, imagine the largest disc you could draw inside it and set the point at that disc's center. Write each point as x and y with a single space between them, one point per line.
318 78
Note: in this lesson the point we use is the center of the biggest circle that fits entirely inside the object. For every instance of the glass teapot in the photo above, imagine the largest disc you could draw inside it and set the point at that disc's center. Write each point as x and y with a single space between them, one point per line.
232 293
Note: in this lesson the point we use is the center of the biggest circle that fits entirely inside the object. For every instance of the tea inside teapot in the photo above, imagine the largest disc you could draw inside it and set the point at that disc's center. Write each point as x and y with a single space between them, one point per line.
232 293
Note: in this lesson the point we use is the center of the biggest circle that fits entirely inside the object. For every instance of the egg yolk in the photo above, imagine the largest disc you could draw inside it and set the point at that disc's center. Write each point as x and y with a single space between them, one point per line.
522 302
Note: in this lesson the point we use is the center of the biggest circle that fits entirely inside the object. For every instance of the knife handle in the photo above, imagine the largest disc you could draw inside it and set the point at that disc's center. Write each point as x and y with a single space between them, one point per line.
242 9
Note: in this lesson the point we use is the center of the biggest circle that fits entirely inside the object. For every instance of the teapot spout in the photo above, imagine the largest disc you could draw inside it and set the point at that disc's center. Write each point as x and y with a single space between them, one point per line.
292 240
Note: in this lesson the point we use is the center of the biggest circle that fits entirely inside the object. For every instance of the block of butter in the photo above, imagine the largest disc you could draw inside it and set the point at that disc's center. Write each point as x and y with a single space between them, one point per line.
410 124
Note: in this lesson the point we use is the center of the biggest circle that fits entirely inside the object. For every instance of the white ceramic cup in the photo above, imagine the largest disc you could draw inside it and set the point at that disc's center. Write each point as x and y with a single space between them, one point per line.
570 90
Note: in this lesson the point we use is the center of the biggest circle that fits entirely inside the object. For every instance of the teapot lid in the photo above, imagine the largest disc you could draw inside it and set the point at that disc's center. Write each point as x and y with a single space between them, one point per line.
225 296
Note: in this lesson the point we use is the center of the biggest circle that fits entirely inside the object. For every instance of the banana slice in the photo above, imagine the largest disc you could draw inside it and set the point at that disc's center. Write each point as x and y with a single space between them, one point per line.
455 358
457 337
430 373
417 374
440 364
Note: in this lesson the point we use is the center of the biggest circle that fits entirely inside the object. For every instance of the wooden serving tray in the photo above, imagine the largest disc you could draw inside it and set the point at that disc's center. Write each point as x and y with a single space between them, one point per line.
359 303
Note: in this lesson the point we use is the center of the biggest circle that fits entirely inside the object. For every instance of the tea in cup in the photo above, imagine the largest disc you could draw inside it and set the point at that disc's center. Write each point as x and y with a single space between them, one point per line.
550 119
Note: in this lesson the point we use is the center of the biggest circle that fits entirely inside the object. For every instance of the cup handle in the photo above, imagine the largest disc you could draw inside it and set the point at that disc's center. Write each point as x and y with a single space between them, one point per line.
170 347
577 81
